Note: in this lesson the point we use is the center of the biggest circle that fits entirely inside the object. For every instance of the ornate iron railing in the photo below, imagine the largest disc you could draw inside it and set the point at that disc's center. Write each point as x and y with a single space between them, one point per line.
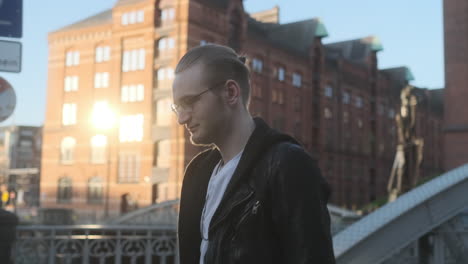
96 244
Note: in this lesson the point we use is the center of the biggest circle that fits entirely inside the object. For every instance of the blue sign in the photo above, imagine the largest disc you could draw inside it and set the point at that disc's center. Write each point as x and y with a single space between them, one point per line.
11 18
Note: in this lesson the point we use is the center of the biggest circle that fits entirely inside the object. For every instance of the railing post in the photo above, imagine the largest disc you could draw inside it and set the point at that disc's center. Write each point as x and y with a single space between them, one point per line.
149 249
52 247
118 248
86 248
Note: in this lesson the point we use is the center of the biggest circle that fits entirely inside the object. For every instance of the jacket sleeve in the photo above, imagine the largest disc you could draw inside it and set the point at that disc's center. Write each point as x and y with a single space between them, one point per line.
300 216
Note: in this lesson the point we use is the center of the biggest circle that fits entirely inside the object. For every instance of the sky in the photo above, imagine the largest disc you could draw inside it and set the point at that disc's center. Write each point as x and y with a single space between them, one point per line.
410 32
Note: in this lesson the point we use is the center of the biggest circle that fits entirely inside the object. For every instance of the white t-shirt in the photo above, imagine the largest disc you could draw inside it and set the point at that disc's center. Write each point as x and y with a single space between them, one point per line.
219 180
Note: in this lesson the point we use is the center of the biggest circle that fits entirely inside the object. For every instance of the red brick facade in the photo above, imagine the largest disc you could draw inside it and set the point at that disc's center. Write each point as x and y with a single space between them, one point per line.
456 83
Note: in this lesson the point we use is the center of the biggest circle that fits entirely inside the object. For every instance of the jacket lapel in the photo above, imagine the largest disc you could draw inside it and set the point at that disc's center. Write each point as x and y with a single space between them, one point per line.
255 145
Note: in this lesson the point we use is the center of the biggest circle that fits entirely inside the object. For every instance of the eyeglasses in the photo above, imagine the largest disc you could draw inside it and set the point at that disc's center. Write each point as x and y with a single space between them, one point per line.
186 103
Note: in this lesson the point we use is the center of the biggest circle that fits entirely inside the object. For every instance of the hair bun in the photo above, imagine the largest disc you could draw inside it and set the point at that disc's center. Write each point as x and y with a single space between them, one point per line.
242 59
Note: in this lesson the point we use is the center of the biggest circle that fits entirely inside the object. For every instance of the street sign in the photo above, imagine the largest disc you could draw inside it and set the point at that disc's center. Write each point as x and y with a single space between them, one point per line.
11 18
10 56
7 99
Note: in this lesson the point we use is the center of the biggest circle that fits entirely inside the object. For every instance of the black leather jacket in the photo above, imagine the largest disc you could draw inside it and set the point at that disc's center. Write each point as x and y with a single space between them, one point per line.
273 211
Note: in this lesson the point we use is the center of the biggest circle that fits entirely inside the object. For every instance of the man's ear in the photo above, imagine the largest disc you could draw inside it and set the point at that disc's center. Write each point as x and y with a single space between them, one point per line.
233 92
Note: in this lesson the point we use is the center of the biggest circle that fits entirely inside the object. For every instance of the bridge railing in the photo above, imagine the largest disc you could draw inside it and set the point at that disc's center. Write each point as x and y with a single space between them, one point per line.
95 244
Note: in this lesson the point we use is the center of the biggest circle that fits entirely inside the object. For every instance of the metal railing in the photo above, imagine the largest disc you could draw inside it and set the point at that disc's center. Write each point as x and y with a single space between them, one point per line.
101 244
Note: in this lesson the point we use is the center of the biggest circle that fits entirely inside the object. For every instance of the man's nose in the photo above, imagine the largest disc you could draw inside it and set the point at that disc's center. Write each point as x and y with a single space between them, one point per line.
183 117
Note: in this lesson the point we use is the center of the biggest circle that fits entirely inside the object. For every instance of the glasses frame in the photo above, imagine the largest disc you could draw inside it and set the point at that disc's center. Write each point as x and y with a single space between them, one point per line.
189 101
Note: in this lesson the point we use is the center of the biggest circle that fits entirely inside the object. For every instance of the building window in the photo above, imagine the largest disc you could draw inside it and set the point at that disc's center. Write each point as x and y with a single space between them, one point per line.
133 60
101 80
129 168
166 43
69 114
380 109
281 97
25 143
257 65
140 16
359 102
133 93
72 58
131 128
345 117
167 15
297 130
102 53
297 103
281 74
95 190
164 151
64 192
67 150
346 97
133 17
328 91
274 96
297 80
163 112
327 113
71 83
165 73
391 113
98 149
360 124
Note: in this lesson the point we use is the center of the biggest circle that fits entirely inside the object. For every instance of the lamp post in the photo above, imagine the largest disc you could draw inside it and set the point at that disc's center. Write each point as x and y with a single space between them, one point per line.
103 118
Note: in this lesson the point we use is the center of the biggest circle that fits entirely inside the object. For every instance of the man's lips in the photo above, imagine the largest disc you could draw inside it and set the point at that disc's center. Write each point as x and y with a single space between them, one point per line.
192 128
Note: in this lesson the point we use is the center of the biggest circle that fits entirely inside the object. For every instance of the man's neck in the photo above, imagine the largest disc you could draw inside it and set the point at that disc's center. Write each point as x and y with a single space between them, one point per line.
235 141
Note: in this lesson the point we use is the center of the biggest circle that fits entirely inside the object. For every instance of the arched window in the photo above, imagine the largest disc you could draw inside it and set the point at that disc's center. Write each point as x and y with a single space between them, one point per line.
98 149
64 192
67 149
95 190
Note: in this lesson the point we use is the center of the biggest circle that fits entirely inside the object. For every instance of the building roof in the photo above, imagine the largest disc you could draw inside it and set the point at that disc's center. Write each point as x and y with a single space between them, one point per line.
128 2
267 16
296 37
104 17
400 74
356 50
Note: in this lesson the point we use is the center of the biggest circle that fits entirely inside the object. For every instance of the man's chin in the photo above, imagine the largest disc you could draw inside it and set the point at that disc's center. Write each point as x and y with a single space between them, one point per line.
198 141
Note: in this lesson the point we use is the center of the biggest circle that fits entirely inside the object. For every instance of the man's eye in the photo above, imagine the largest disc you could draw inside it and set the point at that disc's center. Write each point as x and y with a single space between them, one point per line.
188 101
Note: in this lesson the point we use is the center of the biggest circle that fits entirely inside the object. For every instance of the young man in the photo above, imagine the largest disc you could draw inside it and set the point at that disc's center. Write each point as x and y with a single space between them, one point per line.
255 196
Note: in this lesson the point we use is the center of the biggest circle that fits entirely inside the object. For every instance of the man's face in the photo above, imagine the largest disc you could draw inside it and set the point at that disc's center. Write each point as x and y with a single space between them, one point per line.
202 111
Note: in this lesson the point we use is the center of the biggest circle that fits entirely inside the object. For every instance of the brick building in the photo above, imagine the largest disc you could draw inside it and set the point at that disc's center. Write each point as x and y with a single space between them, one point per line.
359 104
456 83
121 61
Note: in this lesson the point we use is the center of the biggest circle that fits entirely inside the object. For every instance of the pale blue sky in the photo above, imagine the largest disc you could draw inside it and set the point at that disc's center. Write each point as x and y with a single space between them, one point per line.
410 32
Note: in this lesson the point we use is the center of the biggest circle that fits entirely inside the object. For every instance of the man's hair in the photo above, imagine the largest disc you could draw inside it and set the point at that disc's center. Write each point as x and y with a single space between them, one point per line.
221 64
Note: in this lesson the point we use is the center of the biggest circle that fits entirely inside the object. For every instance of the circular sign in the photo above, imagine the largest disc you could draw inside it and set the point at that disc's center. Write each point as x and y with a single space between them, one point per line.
7 99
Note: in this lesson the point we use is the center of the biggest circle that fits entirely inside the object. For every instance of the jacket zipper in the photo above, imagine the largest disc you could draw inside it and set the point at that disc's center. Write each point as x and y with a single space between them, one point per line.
253 209
222 218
